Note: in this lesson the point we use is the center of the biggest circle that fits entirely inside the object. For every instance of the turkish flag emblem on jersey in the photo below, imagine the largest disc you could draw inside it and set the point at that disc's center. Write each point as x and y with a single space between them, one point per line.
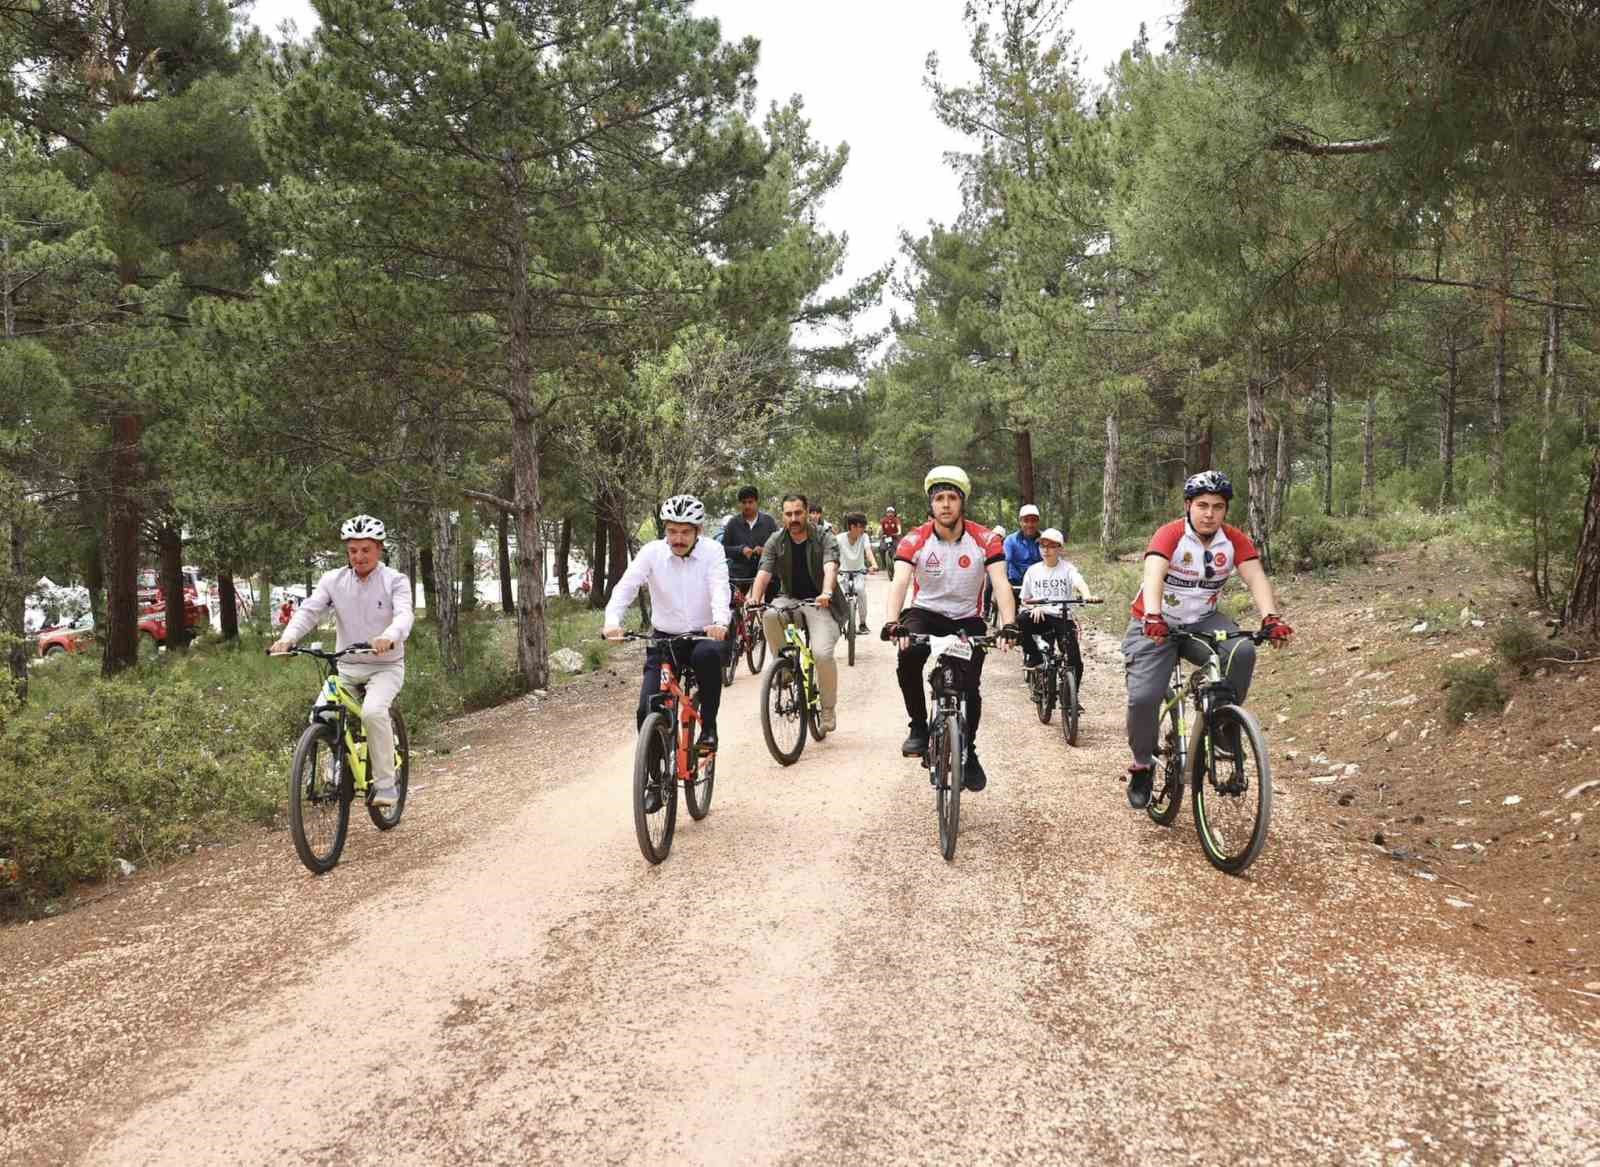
965 561
1220 558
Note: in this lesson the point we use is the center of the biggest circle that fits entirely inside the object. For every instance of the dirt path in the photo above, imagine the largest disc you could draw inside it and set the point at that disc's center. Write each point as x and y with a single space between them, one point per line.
805 979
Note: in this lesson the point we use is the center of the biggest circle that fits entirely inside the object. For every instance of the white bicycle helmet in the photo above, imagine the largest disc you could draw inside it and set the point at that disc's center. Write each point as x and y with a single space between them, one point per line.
684 508
363 527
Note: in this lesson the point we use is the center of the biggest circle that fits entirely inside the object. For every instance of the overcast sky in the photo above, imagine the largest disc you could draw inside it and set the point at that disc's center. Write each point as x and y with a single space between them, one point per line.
859 65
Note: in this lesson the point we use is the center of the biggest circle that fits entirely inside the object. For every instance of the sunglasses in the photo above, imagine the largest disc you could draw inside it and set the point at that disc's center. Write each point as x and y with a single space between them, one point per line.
1205 557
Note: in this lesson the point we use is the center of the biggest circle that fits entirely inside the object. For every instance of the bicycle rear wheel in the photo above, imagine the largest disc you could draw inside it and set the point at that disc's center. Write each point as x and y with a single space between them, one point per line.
850 620
697 791
1069 702
948 774
320 791
388 819
1232 790
1173 755
783 711
730 657
755 652
654 773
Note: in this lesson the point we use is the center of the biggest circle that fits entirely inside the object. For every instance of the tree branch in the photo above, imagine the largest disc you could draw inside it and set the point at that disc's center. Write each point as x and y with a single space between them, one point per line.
1293 144
493 500
1510 295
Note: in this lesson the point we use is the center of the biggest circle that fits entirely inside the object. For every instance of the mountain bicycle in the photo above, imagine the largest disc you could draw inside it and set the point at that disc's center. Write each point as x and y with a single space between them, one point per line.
666 756
748 640
330 766
791 699
1221 753
947 729
1054 681
850 582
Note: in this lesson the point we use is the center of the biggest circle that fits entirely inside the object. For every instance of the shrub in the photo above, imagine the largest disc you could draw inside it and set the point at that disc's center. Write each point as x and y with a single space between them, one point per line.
1471 689
1315 541
1519 643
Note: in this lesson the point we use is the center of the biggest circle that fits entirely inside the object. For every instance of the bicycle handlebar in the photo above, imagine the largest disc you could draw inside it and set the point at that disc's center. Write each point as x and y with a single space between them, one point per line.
360 647
651 638
1215 639
976 641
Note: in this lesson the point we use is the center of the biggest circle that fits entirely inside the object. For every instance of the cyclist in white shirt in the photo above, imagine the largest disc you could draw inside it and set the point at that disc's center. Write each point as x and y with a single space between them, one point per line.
1050 581
688 580
371 603
856 555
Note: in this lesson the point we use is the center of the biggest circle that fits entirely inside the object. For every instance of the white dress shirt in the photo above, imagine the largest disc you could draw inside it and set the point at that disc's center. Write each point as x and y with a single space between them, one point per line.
365 609
687 593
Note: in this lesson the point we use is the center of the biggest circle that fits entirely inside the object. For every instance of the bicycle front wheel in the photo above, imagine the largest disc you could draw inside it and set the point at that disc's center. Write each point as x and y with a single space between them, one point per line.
783 711
319 799
1069 703
850 620
655 788
1044 693
697 791
1232 790
1167 796
386 819
948 774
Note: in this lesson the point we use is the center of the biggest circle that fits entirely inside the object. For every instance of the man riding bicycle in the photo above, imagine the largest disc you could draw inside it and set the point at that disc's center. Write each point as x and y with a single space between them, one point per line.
805 562
1050 581
371 603
889 530
947 563
688 581
856 555
1186 567
1022 546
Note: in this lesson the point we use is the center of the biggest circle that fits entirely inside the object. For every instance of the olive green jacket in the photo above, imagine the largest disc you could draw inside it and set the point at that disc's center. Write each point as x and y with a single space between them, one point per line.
820 548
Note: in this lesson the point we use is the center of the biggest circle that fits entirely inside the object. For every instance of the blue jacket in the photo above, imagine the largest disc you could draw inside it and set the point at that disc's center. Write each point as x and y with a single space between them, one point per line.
1021 554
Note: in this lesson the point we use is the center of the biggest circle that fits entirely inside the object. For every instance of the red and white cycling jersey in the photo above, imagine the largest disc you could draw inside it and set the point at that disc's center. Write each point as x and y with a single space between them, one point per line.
949 578
1197 569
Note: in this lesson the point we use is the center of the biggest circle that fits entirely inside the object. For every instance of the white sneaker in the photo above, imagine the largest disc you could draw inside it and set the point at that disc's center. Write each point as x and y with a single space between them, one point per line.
829 721
385 797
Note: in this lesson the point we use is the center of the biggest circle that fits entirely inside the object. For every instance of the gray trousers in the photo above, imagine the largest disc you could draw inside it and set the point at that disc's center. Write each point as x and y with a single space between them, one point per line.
1149 666
383 683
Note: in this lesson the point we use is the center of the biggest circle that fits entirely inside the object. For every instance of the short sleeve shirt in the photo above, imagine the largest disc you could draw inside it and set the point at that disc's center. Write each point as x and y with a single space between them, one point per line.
853 556
1197 569
950 578
1048 585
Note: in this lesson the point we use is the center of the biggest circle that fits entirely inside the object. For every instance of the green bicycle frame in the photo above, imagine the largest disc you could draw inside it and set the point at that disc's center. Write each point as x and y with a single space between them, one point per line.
793 638
338 701
1209 673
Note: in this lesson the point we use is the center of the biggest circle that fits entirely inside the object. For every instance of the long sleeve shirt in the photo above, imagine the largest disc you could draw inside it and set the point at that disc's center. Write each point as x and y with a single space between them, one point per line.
364 609
738 534
687 592
1021 554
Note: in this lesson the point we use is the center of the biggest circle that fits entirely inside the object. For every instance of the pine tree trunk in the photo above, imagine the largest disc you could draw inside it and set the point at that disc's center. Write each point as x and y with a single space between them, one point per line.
1497 406
228 598
1260 487
597 561
412 572
446 557
508 598
14 619
1581 615
1327 440
1280 477
1025 481
430 582
1369 473
1069 501
1447 428
169 540
1550 378
564 558
1110 493
262 614
123 512
94 578
469 558
618 554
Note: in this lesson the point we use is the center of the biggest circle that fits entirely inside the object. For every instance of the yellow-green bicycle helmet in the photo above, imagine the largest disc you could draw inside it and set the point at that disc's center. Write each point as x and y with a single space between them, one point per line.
949 477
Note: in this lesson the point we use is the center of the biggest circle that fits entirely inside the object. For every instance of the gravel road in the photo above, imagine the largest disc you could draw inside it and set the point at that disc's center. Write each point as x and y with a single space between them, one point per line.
505 980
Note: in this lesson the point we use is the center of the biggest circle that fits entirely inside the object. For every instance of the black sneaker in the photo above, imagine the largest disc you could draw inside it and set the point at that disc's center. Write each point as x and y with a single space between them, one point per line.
863 628
916 744
972 776
652 799
1140 780
708 741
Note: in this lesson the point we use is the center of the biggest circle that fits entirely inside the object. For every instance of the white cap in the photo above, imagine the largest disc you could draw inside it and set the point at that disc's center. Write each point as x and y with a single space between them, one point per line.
999 531
1051 534
1029 509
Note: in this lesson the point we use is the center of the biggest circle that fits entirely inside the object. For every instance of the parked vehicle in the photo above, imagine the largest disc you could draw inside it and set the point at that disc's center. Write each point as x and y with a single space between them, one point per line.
153 602
74 636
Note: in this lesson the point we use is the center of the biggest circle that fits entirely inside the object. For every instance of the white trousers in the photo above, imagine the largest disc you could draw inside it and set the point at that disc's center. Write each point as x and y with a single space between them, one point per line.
383 682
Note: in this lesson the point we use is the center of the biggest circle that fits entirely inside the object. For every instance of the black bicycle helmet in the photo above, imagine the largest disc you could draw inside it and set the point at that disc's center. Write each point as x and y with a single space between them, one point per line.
1208 482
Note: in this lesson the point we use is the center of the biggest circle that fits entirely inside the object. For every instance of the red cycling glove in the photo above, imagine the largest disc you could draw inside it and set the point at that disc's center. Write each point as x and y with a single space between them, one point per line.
1277 631
1155 627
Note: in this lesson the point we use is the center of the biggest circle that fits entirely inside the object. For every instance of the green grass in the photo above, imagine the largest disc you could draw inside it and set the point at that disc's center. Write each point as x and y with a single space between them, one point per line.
1471 689
187 748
